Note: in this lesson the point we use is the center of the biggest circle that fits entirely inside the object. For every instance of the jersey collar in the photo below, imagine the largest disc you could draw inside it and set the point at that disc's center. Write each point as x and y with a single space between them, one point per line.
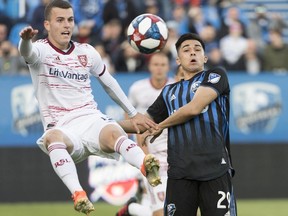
71 48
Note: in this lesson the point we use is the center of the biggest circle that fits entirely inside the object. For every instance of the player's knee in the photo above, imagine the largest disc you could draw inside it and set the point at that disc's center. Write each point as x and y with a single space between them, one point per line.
111 132
53 135
108 137
115 134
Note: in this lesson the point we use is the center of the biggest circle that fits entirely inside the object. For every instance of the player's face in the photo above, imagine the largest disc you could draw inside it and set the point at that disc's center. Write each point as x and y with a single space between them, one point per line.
60 27
191 56
159 67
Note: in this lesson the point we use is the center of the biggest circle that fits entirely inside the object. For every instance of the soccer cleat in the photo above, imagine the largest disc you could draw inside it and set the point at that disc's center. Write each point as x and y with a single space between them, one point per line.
82 203
150 169
124 210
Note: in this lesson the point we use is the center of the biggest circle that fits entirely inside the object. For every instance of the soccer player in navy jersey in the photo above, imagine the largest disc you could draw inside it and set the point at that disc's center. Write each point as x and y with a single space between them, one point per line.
196 112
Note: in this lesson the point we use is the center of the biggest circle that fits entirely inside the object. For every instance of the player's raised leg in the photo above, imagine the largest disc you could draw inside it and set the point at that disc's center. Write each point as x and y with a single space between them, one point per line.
59 148
113 137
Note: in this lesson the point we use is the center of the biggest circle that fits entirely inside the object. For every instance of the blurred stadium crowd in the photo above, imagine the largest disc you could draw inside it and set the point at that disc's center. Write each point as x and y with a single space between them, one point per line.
242 35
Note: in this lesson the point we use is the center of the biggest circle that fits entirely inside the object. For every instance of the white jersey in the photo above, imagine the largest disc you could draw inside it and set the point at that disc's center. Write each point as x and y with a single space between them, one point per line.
61 79
142 94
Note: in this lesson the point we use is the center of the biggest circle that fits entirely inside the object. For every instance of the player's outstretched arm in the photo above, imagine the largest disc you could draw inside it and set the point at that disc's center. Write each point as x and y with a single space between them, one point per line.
140 122
137 124
25 44
28 33
127 126
112 87
202 98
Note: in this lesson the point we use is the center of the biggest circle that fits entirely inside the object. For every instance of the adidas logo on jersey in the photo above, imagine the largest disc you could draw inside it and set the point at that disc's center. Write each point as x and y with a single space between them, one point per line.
173 97
223 161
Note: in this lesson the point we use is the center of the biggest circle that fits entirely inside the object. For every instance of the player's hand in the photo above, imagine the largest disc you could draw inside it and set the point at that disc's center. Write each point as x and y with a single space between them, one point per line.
28 33
142 120
144 137
155 134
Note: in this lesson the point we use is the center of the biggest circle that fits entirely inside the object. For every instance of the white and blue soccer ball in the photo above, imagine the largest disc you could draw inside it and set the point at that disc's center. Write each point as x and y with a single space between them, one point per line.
147 33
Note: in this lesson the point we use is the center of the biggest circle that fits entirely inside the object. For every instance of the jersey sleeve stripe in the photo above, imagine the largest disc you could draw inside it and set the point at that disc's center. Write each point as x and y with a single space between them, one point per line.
103 71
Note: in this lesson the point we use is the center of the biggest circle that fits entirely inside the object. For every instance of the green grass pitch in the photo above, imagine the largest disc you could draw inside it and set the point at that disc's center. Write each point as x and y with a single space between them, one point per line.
275 207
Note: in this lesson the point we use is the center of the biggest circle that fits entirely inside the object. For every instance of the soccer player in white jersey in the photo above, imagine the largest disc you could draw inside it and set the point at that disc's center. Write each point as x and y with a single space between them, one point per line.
142 94
74 127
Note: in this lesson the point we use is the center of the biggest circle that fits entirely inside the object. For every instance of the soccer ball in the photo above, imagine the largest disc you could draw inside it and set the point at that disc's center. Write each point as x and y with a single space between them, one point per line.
147 33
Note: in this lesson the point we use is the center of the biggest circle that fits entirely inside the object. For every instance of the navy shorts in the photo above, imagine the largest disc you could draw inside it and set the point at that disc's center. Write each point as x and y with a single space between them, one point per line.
214 197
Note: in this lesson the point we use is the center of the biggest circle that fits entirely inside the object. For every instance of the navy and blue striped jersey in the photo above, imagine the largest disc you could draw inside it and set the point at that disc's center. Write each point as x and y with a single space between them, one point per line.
198 149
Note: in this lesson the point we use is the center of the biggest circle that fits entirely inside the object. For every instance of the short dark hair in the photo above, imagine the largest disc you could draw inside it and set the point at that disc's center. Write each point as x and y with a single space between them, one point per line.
55 4
189 36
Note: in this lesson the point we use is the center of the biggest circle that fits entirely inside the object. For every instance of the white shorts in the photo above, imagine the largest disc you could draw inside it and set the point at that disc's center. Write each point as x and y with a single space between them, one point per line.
83 131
